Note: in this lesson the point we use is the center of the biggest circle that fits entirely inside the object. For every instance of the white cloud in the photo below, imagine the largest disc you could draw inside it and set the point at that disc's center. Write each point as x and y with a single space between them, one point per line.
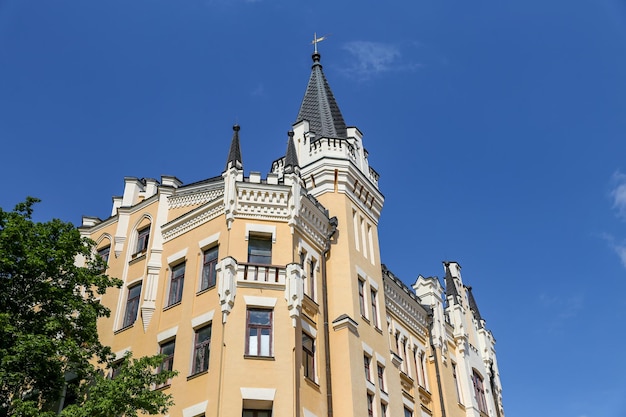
618 248
372 58
618 194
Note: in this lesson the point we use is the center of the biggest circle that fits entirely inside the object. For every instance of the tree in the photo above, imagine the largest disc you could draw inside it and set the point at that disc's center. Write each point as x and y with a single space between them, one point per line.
48 314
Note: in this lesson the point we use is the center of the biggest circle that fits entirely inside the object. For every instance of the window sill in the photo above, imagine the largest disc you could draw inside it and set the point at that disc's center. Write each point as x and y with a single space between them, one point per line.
172 306
163 387
312 383
197 374
205 290
365 319
137 257
263 358
378 329
130 326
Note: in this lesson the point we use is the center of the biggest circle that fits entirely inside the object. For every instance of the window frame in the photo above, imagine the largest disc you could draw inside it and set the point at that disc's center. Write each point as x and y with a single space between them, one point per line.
211 282
260 328
102 251
175 292
168 361
370 404
380 371
198 348
367 366
308 357
479 391
374 304
260 258
143 239
361 289
136 301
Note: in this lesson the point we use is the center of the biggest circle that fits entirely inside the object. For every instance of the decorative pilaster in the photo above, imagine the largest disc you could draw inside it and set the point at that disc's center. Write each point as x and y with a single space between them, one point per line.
293 291
227 285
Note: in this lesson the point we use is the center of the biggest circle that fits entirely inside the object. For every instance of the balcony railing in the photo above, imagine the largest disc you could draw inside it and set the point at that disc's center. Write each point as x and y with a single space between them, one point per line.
262 273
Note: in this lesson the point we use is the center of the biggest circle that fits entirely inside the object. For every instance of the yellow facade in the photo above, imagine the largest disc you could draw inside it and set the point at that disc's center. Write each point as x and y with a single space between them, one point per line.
269 296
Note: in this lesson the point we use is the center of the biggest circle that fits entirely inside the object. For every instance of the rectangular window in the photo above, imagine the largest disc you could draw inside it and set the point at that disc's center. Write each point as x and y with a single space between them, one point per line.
308 356
176 284
209 269
362 297
374 300
103 253
259 332
142 240
456 383
260 250
367 362
479 392
407 412
381 377
370 405
167 349
132 305
421 359
202 345
311 278
383 410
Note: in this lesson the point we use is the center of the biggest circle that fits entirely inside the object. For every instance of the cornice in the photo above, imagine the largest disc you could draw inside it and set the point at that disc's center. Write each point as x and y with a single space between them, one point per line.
196 197
398 302
192 219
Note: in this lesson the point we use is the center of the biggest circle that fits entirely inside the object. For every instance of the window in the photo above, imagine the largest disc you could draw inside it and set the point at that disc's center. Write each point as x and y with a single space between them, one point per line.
370 405
310 291
104 252
407 412
362 297
142 240
167 349
420 370
383 409
176 284
374 301
201 349
209 268
257 413
367 362
381 377
456 383
479 391
132 305
260 250
259 334
308 356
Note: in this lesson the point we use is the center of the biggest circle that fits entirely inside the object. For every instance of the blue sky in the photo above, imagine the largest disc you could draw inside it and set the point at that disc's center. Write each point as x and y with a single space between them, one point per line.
496 125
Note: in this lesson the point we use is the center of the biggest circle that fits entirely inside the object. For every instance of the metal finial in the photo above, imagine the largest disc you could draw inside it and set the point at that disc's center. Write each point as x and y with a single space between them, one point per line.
316 40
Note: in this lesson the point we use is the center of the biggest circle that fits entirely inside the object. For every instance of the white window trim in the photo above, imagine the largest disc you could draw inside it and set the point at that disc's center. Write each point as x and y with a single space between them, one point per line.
167 334
209 241
262 394
174 258
262 229
196 409
202 320
254 301
310 330
367 349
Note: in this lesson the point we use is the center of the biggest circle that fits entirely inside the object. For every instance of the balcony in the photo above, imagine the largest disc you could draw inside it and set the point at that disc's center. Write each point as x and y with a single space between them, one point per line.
261 275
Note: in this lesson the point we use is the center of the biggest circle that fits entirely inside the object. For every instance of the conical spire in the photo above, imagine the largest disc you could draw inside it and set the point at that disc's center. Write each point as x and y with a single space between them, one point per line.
319 107
291 157
450 286
234 155
473 306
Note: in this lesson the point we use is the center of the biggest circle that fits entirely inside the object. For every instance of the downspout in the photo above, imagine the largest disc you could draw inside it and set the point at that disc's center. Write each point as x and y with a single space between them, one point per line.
432 347
329 388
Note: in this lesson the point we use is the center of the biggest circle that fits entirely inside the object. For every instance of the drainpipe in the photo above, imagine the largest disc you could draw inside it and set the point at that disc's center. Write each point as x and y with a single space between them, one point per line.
432 347
329 389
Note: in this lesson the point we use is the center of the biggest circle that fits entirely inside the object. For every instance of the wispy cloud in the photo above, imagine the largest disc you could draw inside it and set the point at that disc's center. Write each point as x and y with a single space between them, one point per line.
618 194
618 247
373 58
561 308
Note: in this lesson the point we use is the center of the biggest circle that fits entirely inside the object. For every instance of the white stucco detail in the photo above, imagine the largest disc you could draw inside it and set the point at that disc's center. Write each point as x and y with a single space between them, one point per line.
167 334
202 319
196 409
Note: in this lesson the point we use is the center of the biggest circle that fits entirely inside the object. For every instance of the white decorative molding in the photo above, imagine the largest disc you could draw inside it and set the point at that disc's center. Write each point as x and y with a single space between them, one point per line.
294 291
202 319
195 198
227 285
208 241
196 409
269 202
260 394
167 334
176 256
261 228
255 301
192 220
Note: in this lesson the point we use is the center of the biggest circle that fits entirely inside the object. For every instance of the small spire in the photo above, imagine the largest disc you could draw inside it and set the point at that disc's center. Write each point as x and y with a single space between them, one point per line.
473 306
234 154
291 157
451 290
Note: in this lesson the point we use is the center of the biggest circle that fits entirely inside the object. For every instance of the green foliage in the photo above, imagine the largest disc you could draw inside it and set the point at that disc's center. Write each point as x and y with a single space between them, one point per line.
50 280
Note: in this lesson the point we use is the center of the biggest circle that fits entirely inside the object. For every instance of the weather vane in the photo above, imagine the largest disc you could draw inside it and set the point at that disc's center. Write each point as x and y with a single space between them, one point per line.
316 40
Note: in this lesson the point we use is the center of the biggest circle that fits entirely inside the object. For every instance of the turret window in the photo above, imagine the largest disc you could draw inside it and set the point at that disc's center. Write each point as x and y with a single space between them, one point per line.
479 391
143 236
260 249
259 332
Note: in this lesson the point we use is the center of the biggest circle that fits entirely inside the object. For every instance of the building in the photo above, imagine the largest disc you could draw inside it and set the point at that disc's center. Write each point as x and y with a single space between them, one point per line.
269 297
